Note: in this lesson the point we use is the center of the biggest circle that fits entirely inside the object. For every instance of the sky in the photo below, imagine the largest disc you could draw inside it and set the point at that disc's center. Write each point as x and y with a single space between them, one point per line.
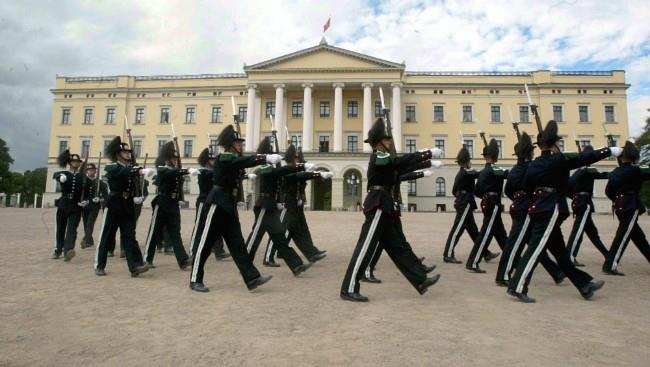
42 39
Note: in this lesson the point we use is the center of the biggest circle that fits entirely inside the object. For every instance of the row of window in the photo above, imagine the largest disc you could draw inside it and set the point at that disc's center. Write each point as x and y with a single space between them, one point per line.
441 187
139 117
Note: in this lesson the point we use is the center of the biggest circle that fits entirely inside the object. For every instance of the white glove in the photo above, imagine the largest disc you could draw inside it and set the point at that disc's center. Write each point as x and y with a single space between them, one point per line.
138 199
436 152
326 175
251 176
147 172
193 171
273 158
616 151
63 178
280 206
95 200
427 173
436 164
83 203
310 166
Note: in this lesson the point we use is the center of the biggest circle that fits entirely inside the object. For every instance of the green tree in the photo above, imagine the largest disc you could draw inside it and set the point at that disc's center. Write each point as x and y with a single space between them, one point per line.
5 162
34 183
643 142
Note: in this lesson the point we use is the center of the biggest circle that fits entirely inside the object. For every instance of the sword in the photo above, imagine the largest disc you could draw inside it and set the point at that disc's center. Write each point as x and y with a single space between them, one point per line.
533 109
515 124
575 139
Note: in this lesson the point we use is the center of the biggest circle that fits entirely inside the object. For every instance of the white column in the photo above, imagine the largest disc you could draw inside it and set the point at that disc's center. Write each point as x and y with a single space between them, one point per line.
367 114
338 116
258 118
396 119
279 114
251 144
307 119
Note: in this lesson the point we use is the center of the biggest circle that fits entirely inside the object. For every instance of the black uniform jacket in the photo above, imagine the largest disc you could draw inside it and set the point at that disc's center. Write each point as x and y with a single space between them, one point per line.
623 187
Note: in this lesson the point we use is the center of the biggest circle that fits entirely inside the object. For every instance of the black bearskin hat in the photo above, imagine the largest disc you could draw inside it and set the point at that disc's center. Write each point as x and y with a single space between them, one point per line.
204 157
524 148
228 136
63 158
549 136
630 151
167 152
265 146
492 150
463 156
587 149
377 132
291 154
114 147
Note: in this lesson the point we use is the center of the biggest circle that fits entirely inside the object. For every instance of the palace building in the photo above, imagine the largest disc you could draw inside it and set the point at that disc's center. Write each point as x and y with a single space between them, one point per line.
324 99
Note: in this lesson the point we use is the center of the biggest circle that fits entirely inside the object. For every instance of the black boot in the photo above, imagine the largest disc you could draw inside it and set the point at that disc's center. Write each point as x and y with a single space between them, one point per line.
588 290
523 297
68 255
353 297
451 260
301 269
258 282
370 279
424 287
271 264
199 287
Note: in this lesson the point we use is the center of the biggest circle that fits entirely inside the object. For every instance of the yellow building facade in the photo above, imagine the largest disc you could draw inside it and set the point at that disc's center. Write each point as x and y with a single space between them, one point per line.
325 99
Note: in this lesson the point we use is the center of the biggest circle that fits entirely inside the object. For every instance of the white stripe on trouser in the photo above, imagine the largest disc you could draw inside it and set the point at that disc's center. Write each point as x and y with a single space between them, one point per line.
269 248
256 229
515 247
204 235
151 228
196 224
364 249
101 236
619 252
579 232
56 230
538 250
450 251
479 254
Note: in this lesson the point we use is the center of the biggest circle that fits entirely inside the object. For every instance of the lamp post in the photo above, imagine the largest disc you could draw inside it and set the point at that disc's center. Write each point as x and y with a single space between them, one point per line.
353 182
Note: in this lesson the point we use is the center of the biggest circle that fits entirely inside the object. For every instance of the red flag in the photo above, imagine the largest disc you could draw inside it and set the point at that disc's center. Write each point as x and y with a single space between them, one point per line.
327 24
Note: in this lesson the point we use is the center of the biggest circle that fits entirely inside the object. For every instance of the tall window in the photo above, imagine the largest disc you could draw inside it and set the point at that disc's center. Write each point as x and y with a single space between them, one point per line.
214 145
500 144
216 114
583 143
161 142
378 111
137 148
190 115
413 188
324 109
85 148
324 143
524 116
63 145
439 113
164 115
467 114
110 116
410 113
139 115
296 109
65 116
560 144
106 142
187 148
558 113
410 145
353 143
495 113
440 144
242 111
296 140
88 116
186 184
609 114
353 109
270 109
441 187
583 112
469 144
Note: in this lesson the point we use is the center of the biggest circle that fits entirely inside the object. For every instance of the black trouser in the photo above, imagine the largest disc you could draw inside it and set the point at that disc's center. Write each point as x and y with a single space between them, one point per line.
67 222
464 221
628 229
89 215
295 222
519 236
167 216
219 223
270 223
492 227
381 228
217 247
119 214
137 211
546 233
584 224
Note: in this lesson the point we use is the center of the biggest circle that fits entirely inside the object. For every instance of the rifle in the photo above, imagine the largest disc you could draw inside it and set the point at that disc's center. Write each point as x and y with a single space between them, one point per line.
276 147
137 191
515 124
575 139
533 108
179 164
240 185
610 137
146 156
397 194
82 170
99 174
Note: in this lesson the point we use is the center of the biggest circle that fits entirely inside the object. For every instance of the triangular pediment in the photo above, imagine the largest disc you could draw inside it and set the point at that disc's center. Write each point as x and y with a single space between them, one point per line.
322 57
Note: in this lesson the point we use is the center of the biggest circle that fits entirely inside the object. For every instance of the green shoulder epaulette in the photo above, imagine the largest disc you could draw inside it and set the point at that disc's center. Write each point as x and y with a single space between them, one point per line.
383 159
162 168
265 169
226 157
592 170
570 155
110 167
498 171
645 169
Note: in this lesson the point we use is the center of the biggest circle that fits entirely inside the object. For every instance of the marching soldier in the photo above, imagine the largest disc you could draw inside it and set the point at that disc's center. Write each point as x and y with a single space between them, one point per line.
219 217
548 177
68 212
267 211
122 179
489 187
166 211
380 226
138 202
581 188
623 190
293 214
465 205
520 230
96 193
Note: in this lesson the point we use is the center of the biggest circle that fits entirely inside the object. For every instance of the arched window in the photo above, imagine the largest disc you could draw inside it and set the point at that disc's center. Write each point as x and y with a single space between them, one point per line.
440 187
